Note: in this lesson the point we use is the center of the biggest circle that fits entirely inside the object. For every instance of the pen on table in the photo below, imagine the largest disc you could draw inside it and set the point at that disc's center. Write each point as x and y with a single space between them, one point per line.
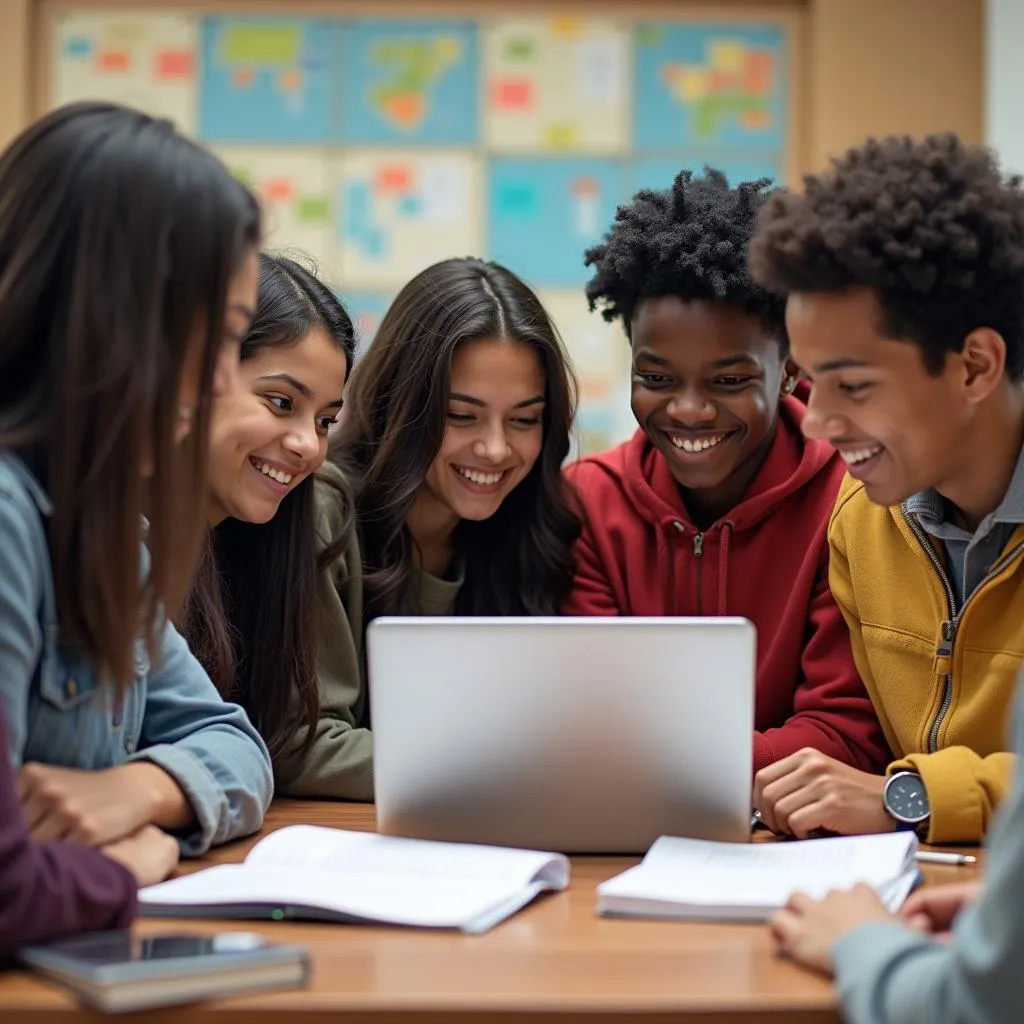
956 859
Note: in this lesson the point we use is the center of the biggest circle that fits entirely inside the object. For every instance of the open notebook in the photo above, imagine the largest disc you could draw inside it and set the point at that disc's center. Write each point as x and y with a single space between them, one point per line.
691 878
305 871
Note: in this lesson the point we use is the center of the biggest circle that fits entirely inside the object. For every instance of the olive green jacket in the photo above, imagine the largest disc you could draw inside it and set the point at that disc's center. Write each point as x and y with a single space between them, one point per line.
339 762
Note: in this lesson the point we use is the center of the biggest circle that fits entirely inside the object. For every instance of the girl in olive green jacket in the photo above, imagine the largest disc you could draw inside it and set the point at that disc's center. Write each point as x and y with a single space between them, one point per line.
456 425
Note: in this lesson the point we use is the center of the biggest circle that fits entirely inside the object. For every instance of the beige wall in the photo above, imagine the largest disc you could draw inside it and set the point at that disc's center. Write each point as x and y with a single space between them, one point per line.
885 66
15 53
873 66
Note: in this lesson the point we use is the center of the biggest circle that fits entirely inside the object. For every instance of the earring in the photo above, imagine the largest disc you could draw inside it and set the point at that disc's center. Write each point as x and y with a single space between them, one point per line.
790 385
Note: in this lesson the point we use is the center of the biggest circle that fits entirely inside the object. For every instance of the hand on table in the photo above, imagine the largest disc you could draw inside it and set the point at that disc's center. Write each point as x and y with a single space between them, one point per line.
933 911
809 790
807 930
150 854
92 807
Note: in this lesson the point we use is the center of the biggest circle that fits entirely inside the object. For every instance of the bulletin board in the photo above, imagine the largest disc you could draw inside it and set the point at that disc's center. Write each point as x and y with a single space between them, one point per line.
380 143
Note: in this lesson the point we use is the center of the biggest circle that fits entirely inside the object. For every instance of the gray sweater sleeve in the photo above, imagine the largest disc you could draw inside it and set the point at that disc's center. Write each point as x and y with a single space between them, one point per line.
887 974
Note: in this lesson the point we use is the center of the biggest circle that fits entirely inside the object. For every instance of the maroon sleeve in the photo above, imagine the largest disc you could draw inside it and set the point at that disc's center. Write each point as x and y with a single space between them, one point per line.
832 711
52 889
592 592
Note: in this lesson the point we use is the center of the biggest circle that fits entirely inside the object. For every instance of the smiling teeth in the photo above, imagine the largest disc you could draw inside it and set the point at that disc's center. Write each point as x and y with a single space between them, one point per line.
851 458
701 445
484 479
274 474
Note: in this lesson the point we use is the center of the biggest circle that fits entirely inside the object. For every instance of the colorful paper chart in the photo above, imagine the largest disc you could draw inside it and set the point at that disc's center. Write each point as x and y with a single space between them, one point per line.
601 357
408 82
139 59
266 79
294 188
558 85
545 213
367 309
399 211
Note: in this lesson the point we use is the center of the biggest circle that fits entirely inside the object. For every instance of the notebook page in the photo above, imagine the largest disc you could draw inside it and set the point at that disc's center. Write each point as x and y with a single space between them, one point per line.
761 874
469 903
333 851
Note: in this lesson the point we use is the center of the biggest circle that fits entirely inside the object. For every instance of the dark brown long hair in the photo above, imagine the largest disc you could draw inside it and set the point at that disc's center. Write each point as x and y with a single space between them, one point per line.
251 615
518 562
118 242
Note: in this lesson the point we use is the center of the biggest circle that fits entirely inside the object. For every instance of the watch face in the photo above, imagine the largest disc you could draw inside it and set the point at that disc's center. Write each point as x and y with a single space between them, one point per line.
906 799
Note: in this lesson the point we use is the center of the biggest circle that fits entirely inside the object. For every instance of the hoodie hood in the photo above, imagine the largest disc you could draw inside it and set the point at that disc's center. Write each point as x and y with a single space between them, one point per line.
641 474
791 462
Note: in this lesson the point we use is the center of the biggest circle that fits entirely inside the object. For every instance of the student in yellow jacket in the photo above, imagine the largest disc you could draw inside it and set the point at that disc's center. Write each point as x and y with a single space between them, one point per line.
904 267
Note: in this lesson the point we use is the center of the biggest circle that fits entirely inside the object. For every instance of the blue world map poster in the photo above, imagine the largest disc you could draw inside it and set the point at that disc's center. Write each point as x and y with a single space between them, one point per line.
408 82
265 79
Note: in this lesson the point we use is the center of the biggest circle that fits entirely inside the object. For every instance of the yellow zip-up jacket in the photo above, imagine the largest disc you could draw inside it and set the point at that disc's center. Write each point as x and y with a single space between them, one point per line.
942 679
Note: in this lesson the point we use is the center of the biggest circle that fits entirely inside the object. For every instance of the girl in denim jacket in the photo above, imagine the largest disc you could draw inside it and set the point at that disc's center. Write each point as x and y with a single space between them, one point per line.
127 280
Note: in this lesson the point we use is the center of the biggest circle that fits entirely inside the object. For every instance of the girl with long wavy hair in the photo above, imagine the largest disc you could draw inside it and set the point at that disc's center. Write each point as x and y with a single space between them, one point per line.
457 422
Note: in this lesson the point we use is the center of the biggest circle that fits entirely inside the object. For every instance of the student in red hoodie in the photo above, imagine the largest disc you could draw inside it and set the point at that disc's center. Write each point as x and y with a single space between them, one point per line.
718 505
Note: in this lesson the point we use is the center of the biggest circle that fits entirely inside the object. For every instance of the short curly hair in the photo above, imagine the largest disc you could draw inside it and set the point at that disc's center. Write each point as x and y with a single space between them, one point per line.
933 227
689 241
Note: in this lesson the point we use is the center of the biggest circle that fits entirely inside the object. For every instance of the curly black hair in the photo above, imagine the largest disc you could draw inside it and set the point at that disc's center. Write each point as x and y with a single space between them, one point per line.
689 241
933 227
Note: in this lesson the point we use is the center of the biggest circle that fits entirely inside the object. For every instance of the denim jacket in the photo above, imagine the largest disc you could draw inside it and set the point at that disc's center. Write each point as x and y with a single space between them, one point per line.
59 713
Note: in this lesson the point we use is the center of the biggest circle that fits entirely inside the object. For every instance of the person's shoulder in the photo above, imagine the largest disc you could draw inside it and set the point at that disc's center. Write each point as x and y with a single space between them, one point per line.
856 518
600 473
20 487
330 475
336 530
23 504
852 501
332 497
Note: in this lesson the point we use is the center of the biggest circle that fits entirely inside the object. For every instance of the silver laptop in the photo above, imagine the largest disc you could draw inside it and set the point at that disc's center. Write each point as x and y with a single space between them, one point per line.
578 735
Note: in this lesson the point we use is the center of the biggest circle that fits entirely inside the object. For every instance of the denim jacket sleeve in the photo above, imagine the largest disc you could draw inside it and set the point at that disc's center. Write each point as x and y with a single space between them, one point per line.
207 745
23 563
58 712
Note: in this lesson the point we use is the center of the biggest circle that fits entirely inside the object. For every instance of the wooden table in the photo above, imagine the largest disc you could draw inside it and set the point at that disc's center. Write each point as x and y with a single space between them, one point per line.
554 958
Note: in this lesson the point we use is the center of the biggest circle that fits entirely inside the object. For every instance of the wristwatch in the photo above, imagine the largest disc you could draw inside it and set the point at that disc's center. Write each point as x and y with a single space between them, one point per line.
906 800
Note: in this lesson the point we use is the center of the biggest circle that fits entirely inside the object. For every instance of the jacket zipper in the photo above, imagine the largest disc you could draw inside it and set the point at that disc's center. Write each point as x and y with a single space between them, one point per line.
952 624
698 553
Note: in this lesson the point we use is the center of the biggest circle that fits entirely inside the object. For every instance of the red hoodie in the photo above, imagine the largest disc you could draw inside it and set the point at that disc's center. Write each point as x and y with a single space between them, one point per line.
639 554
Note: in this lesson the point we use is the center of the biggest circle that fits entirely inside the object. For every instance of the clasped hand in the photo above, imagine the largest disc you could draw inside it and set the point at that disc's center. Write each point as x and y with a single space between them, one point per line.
808 791
90 807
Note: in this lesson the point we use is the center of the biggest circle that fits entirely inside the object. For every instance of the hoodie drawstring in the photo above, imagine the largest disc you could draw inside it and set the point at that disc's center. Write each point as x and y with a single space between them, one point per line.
723 565
667 558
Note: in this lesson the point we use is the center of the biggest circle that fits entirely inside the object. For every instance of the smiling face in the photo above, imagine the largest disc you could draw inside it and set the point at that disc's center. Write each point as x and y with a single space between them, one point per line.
706 386
269 433
899 428
494 432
